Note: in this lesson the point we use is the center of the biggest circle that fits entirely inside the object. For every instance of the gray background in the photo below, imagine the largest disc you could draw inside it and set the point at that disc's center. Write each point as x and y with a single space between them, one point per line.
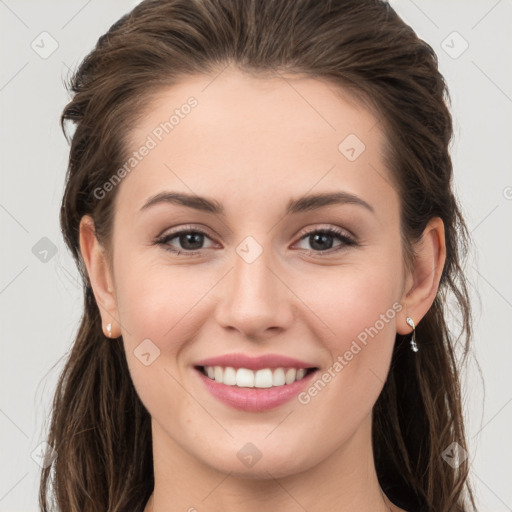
40 295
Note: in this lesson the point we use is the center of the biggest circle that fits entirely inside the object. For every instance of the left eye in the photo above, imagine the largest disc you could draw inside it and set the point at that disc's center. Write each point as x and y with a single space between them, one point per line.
191 241
322 237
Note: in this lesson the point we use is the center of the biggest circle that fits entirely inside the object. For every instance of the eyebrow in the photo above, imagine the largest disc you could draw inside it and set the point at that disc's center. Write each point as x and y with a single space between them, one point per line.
302 204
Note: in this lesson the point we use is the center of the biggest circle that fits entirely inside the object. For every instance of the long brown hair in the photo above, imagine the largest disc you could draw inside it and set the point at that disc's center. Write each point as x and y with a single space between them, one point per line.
99 427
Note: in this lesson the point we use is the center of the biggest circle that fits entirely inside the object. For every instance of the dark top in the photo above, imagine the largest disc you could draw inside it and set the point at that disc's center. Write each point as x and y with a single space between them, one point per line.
403 498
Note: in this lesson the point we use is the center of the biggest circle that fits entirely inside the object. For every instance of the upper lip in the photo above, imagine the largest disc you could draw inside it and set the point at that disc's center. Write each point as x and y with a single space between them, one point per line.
255 363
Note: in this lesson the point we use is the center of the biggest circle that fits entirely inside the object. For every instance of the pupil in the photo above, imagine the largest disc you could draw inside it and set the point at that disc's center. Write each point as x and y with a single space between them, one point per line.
322 237
189 237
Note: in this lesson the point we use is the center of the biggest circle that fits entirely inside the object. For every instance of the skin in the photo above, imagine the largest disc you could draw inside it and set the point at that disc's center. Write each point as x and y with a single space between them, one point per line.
253 144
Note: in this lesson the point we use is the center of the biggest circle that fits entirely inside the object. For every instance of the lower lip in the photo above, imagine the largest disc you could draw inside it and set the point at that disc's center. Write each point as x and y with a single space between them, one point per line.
254 399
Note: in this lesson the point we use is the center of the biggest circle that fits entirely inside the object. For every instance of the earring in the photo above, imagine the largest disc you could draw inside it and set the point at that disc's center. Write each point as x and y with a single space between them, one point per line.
109 330
414 347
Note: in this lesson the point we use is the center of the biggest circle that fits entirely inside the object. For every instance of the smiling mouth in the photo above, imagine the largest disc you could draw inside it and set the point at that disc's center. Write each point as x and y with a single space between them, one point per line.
264 378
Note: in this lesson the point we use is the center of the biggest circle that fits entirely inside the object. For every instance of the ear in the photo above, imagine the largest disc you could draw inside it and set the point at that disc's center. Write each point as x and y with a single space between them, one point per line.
102 282
422 282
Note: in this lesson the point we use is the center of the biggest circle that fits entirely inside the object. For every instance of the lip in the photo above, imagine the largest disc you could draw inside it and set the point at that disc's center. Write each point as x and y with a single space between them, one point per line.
254 399
239 360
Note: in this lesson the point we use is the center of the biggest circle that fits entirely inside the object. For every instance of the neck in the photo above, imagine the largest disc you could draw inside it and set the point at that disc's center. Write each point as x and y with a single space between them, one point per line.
344 481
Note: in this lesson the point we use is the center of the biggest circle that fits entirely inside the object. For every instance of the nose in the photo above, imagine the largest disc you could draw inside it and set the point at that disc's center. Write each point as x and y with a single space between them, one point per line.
255 299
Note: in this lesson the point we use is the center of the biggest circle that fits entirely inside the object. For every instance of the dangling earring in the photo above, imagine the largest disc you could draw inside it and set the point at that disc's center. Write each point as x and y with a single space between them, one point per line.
414 347
109 330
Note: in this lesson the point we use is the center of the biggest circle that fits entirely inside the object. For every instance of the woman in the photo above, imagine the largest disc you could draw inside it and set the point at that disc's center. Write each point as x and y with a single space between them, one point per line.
259 201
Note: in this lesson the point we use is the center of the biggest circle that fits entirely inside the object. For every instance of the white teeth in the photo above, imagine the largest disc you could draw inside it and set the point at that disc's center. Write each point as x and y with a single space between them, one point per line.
244 378
278 378
229 377
264 378
291 373
300 373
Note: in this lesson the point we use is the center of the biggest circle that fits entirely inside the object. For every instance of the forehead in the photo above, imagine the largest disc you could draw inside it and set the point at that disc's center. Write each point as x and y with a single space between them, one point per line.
232 133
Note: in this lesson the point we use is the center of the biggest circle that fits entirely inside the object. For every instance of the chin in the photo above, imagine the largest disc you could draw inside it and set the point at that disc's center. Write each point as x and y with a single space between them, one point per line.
265 463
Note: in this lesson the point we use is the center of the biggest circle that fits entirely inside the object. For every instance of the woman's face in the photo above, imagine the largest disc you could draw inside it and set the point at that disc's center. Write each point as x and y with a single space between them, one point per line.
260 275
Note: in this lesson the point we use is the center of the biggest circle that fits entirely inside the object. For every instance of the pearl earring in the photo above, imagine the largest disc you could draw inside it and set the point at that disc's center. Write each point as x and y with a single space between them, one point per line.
414 347
109 330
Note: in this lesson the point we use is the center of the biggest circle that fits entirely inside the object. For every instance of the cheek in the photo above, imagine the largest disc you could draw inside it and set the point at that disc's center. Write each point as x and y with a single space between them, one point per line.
155 306
358 311
160 311
154 299
361 313
353 301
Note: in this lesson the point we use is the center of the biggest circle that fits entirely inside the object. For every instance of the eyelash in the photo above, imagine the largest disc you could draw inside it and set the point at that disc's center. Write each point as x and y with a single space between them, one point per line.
347 241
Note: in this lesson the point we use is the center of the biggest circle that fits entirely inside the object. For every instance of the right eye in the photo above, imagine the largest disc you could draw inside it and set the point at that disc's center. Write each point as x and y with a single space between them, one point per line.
189 239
